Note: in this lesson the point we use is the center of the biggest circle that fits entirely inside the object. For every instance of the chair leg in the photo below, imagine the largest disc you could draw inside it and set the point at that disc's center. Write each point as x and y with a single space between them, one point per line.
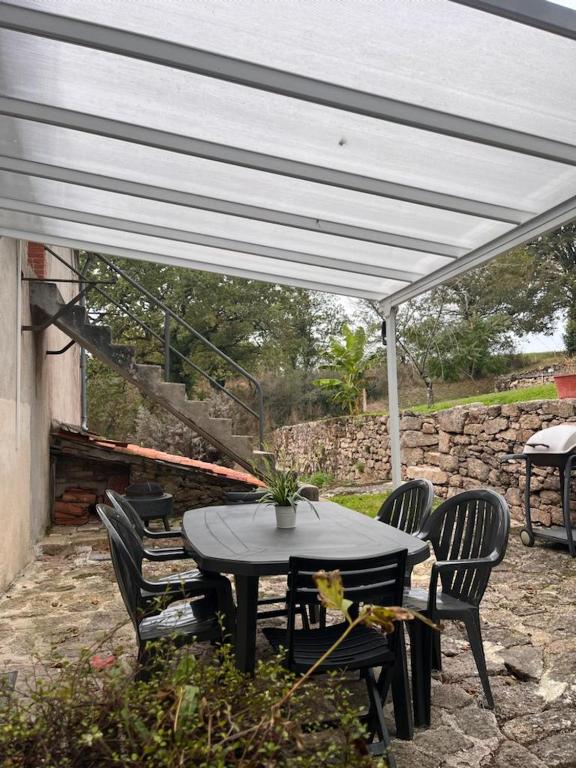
166 523
437 652
376 713
472 623
421 657
144 661
304 615
225 606
401 692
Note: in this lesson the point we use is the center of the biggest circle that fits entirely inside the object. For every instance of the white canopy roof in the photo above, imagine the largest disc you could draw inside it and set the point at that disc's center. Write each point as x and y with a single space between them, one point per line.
370 148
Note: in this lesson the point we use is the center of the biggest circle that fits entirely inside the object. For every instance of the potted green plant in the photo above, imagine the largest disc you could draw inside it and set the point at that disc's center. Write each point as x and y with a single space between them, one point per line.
565 380
282 491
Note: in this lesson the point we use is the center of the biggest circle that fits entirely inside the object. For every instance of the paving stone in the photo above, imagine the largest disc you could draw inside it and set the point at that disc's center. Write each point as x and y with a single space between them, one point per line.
504 636
558 751
408 755
444 740
530 728
512 755
452 697
478 723
514 698
524 662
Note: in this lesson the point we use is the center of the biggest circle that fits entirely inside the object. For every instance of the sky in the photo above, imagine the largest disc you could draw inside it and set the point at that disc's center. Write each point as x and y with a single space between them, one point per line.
538 342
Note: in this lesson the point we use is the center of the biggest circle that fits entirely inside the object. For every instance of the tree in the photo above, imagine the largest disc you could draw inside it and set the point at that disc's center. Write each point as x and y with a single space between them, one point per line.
349 359
461 329
557 253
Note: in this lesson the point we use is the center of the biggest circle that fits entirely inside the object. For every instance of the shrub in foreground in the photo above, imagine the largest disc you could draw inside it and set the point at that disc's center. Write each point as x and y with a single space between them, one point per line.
189 712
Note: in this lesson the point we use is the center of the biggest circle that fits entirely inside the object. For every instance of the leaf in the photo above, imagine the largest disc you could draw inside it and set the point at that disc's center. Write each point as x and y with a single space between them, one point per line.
331 591
384 617
187 705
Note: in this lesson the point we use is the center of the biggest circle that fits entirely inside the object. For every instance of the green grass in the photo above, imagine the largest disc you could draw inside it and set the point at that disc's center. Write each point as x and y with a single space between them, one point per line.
367 503
539 392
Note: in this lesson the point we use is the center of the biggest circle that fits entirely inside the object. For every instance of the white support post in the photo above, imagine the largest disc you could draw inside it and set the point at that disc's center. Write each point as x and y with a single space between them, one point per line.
393 405
18 340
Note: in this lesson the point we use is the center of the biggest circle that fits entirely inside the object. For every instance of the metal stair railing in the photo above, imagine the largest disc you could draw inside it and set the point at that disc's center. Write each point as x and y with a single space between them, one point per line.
170 317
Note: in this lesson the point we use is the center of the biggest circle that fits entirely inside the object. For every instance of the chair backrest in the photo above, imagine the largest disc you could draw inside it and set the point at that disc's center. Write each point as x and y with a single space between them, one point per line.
367 580
120 503
126 571
243 497
470 525
124 528
408 506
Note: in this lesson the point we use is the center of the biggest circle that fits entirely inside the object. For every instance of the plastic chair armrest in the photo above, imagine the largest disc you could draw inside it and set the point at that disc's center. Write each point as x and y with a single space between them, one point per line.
184 588
168 553
173 533
444 566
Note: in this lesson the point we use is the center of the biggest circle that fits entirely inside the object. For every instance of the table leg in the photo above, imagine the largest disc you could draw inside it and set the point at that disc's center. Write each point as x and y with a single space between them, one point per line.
246 611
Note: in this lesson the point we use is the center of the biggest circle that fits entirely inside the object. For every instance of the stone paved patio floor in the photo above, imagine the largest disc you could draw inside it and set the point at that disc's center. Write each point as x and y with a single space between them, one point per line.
67 600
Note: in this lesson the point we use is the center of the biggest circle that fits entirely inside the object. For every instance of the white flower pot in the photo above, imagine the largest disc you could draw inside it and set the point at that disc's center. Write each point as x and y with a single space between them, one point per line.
285 517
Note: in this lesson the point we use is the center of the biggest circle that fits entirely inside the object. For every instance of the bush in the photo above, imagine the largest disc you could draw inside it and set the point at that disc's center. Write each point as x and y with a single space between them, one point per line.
189 712
319 479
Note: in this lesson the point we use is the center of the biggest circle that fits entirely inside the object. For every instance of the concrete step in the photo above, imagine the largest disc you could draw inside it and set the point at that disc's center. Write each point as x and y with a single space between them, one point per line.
46 301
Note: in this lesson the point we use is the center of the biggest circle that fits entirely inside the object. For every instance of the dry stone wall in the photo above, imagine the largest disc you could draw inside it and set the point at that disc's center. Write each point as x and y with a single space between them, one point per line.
457 449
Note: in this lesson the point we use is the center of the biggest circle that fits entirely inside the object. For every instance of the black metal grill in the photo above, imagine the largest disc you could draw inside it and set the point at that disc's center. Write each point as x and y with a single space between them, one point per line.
150 501
551 447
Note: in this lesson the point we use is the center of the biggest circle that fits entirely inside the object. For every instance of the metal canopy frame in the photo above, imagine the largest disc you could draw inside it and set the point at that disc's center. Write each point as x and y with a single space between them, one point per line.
273 235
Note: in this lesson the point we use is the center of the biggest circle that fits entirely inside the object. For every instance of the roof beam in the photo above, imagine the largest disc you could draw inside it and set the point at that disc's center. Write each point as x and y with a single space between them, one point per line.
220 153
240 72
539 225
45 236
227 207
547 16
209 241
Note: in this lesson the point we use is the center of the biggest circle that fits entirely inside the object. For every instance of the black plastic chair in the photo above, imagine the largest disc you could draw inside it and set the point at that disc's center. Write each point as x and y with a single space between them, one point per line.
195 619
374 580
469 534
173 585
408 507
121 502
244 497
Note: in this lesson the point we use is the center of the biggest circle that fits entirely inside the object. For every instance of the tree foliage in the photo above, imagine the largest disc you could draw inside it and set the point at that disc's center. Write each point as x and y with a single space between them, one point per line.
348 358
259 325
556 252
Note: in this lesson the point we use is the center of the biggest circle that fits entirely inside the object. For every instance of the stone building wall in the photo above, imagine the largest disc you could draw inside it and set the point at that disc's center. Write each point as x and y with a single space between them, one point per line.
457 449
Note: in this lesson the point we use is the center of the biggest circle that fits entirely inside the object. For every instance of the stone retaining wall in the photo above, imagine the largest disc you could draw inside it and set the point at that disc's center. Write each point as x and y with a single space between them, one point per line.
457 449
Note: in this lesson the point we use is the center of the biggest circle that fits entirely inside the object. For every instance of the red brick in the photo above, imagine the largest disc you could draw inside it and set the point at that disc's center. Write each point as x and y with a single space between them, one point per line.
37 259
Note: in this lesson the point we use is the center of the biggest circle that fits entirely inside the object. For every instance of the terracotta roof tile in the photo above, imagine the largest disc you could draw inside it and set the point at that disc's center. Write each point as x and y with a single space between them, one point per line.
154 455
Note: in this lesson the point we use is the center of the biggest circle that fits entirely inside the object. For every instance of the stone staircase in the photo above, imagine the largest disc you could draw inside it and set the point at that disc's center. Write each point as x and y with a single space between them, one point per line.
48 306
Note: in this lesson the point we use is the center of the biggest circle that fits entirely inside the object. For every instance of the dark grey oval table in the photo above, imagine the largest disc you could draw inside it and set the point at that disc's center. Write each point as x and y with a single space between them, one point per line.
242 539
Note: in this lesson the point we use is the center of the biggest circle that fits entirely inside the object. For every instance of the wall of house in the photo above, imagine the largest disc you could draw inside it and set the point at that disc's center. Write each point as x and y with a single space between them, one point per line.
456 449
34 389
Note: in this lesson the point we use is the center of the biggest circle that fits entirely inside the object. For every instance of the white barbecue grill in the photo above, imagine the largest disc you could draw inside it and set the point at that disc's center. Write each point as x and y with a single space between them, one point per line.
551 447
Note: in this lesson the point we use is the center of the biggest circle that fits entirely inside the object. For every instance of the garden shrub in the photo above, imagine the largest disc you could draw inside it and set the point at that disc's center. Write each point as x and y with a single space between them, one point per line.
188 712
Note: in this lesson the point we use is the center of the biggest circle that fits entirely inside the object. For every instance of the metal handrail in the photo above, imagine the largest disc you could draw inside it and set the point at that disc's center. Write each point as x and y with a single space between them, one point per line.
169 313
177 352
